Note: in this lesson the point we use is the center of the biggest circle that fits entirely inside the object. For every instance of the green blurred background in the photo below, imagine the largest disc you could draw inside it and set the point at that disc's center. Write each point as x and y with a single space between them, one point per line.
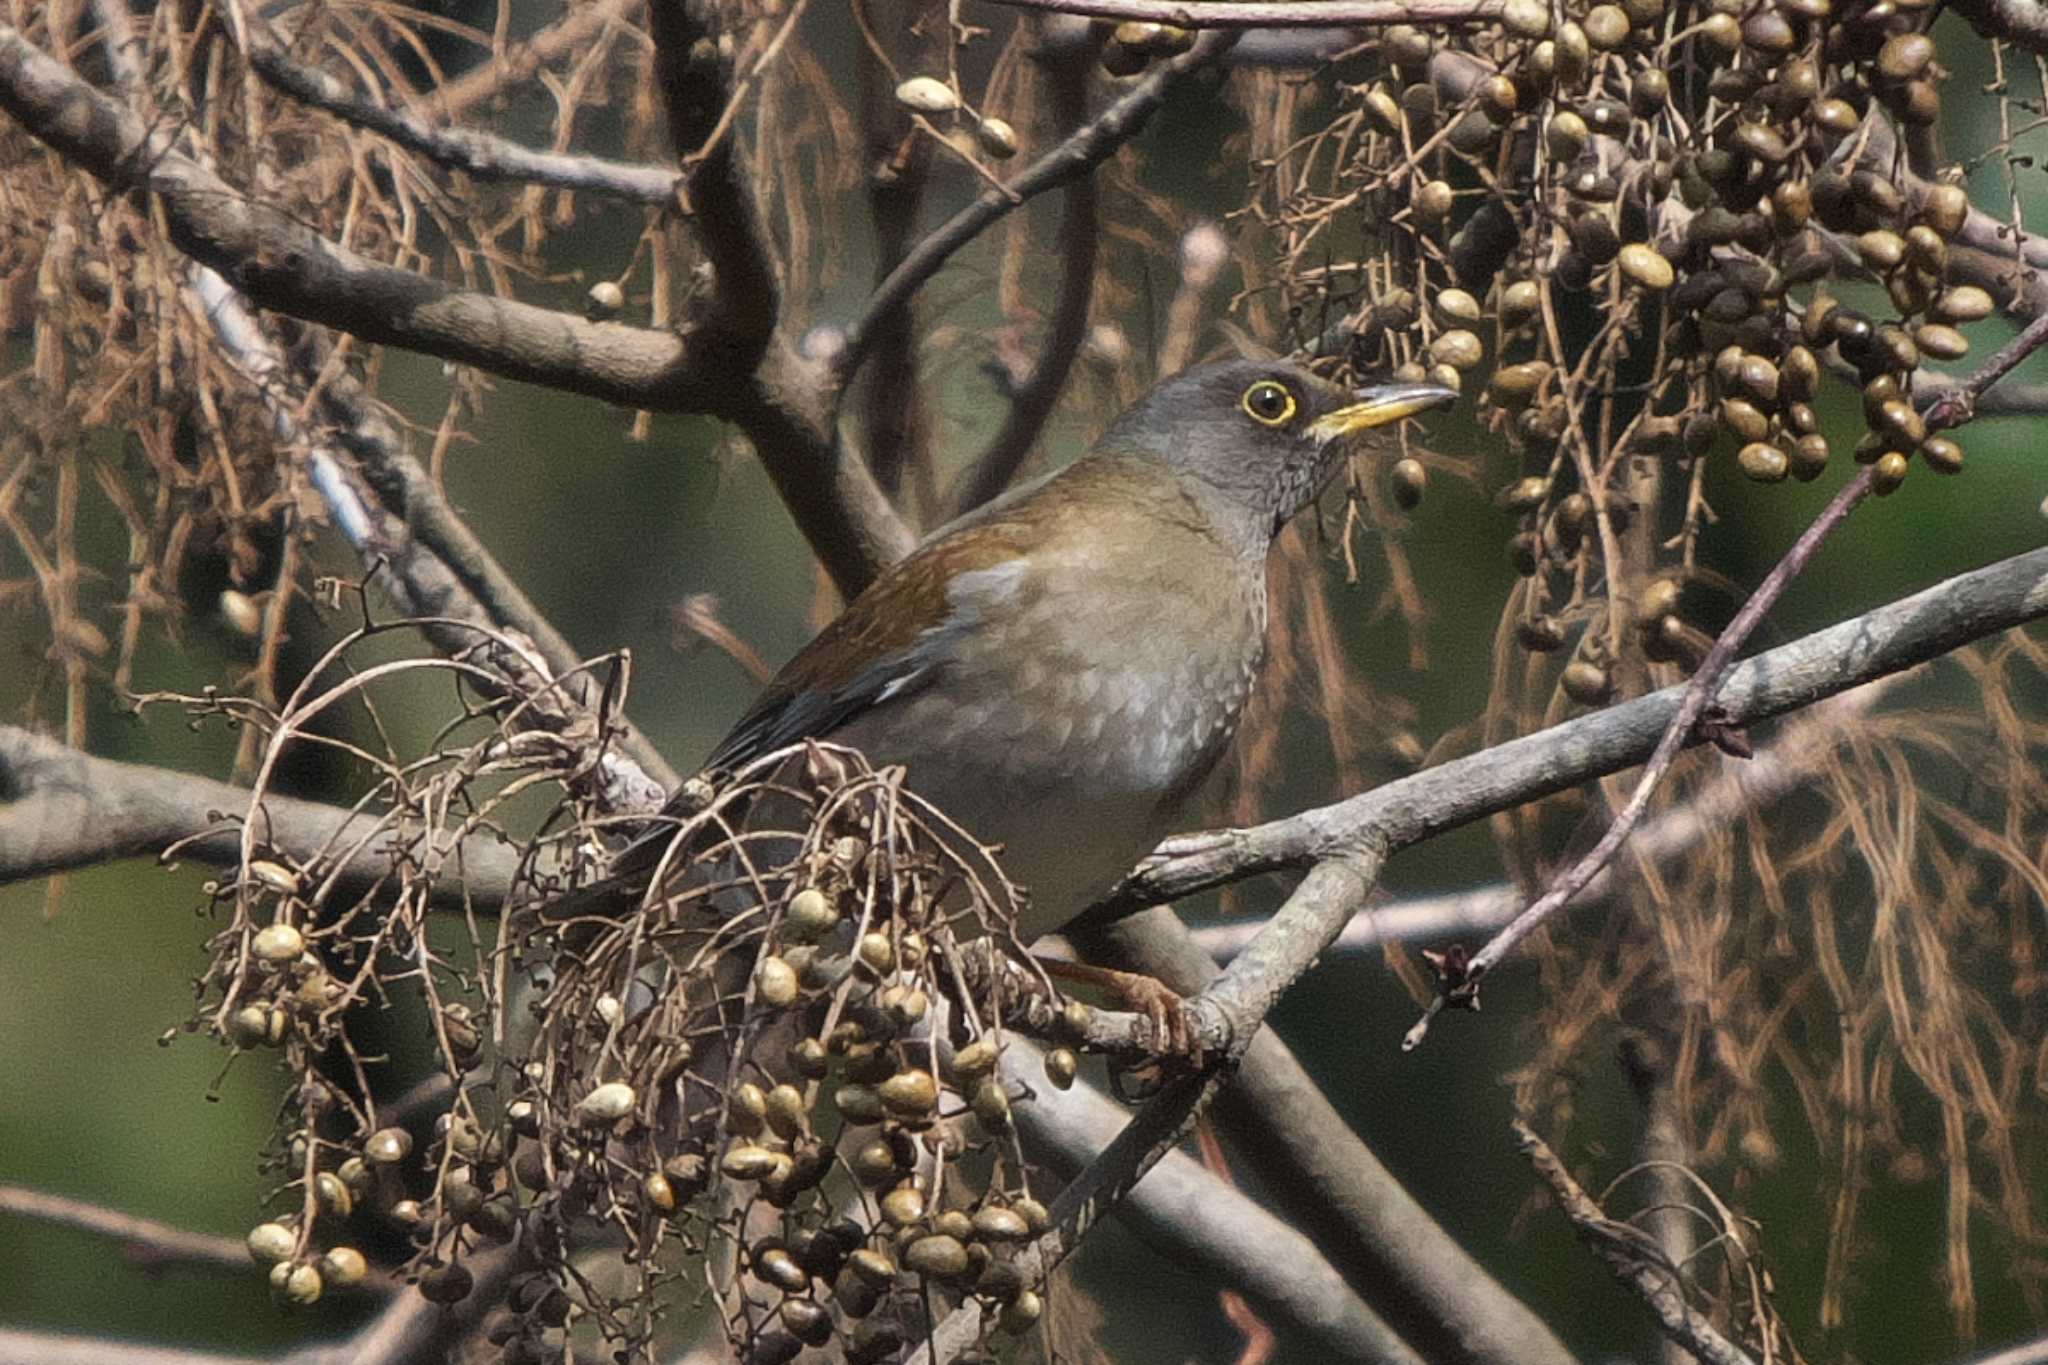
607 534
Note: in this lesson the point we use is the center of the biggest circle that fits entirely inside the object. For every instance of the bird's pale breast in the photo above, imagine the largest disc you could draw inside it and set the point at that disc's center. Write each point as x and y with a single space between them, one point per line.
1076 715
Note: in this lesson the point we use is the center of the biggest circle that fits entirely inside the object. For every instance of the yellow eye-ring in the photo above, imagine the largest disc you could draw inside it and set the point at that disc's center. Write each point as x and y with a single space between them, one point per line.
1268 401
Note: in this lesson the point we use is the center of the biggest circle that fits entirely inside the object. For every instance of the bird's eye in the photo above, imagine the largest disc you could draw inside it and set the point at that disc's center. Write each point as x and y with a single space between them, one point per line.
1268 401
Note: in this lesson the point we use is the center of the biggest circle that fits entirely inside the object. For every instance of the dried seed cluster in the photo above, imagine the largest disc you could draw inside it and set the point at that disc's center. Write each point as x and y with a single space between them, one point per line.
1616 224
799 1104
750 1059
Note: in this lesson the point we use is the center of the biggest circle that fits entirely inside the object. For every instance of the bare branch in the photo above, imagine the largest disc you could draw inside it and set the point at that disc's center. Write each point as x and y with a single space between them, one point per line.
1323 1178
1032 399
423 521
144 1240
1958 404
485 156
1333 889
517 64
1460 979
1198 1222
2007 400
697 86
2033 1352
283 265
1401 814
1077 156
828 488
444 577
1778 768
1632 1259
1228 14
895 413
65 809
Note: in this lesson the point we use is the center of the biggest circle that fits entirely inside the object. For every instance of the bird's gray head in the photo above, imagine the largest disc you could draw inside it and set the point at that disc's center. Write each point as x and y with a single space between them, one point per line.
1264 434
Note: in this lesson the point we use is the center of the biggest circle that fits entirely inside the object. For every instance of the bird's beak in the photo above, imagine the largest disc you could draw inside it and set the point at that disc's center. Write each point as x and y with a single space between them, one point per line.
1377 406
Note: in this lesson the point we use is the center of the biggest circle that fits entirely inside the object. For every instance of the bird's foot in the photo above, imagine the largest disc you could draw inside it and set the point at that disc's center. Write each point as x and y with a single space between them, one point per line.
1175 1031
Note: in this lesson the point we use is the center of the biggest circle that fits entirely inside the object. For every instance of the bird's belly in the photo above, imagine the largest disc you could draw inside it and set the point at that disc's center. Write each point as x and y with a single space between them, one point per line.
1076 773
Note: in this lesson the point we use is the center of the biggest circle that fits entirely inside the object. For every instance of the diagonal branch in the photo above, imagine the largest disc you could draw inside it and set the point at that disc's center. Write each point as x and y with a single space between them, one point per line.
1333 888
777 398
1784 765
1320 1175
1459 983
1032 399
1200 1223
283 265
141 1239
1401 814
486 156
1635 1264
1459 977
1344 847
1077 156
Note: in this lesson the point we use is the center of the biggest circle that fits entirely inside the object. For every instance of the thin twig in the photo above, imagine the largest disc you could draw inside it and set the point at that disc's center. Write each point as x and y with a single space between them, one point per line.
1460 977
1032 399
473 152
1632 1259
1076 156
1958 404
1401 814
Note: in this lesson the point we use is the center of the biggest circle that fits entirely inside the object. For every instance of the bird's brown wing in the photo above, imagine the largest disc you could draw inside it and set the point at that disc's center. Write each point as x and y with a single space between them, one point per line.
889 644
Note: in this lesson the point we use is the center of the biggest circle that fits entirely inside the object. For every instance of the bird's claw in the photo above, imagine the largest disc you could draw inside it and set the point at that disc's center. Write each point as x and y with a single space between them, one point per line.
1176 1032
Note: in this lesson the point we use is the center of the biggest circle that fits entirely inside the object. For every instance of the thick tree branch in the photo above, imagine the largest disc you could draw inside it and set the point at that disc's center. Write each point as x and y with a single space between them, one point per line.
777 399
1401 814
283 265
22 1346
1787 763
895 415
1077 156
485 156
718 195
62 809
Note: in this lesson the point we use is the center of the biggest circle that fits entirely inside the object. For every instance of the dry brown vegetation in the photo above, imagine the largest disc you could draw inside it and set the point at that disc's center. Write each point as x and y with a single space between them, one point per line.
1651 240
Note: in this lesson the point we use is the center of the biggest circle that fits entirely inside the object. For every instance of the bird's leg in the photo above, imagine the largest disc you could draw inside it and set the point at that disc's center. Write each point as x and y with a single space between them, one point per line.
1173 1027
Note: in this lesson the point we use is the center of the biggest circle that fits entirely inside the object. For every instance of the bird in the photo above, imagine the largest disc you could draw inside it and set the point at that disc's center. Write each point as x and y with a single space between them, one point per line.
1061 669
